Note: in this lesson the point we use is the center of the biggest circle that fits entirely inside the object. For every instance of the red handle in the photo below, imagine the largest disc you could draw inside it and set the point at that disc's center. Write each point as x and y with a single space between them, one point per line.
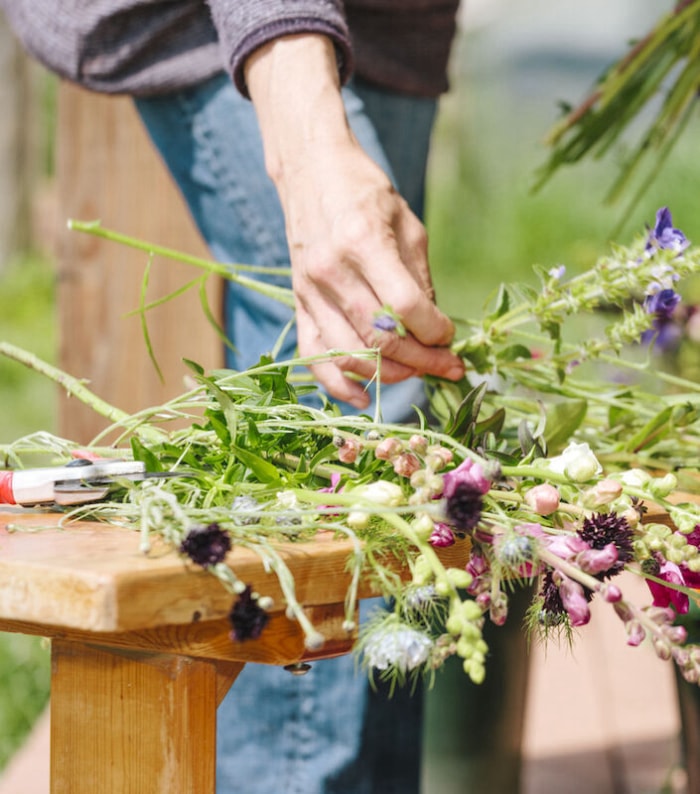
7 496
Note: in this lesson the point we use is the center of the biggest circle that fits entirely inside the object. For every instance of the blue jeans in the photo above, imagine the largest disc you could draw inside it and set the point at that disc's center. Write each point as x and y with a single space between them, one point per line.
326 732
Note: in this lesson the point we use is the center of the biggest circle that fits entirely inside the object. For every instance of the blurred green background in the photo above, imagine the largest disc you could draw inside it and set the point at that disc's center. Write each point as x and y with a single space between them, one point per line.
485 226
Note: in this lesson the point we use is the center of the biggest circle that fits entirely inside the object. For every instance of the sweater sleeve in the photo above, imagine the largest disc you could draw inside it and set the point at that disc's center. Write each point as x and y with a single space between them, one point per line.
245 25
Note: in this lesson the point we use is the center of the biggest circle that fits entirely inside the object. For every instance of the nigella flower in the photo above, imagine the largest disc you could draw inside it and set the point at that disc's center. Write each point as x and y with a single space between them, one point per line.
206 545
404 648
602 529
247 617
664 235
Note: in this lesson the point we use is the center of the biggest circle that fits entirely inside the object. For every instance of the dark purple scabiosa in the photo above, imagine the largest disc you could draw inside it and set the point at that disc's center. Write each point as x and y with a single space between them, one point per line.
602 529
552 612
247 617
206 545
463 507
463 489
664 235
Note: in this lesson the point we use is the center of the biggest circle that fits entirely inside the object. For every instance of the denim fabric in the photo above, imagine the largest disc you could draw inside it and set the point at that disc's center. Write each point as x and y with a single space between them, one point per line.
326 732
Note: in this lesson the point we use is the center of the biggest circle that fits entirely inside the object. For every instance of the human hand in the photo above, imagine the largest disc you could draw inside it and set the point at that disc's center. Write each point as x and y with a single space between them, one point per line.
355 245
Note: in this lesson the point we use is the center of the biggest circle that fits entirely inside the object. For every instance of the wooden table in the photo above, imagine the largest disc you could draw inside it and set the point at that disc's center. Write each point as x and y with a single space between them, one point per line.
140 653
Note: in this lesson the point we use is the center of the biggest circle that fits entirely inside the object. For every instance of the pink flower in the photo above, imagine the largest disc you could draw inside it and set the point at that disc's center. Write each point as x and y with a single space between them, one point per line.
573 598
468 473
543 499
595 561
675 574
388 449
442 536
668 596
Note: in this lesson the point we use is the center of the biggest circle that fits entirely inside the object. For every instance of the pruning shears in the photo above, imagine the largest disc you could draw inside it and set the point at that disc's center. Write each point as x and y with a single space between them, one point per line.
79 482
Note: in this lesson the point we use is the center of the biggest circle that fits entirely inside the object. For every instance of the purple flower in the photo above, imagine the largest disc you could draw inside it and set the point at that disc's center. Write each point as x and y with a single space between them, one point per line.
664 235
247 617
384 322
663 303
602 529
206 545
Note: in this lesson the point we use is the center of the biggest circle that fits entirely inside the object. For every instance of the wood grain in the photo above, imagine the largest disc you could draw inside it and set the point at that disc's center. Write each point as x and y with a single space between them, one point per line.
108 170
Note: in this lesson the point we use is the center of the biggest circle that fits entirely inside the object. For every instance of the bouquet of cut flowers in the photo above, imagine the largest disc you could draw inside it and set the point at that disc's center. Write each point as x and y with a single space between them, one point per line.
561 459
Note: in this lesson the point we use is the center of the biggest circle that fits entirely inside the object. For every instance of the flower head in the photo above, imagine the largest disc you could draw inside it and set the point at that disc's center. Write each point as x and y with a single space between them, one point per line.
664 235
206 545
441 536
663 303
577 462
403 648
468 473
603 529
247 617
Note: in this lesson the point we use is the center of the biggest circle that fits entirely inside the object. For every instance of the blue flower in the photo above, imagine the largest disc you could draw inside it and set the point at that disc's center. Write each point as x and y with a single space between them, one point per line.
662 304
384 322
664 235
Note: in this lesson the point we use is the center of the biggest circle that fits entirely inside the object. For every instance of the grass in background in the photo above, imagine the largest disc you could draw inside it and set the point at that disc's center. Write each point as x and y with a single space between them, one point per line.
27 404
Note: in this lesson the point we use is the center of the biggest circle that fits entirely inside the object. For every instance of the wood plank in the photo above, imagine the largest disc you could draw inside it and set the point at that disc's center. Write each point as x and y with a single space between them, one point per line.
92 576
107 170
127 721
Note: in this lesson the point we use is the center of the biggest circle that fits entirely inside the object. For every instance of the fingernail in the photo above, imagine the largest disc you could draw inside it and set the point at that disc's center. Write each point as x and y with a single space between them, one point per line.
455 373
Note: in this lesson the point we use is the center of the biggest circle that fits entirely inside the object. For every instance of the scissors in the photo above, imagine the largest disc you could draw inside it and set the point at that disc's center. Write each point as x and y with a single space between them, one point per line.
79 482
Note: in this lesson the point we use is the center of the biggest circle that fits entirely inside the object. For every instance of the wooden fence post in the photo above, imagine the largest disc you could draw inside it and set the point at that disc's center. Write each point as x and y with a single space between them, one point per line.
107 170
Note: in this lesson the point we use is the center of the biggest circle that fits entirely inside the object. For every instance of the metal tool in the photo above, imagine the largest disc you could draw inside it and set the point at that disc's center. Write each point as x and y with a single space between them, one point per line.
79 482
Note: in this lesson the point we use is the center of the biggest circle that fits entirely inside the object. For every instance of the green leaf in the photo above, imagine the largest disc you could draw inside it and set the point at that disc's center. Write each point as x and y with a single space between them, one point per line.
264 470
652 431
563 420
145 455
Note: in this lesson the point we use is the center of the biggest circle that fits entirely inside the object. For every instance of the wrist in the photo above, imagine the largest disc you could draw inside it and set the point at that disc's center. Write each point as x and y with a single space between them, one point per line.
295 88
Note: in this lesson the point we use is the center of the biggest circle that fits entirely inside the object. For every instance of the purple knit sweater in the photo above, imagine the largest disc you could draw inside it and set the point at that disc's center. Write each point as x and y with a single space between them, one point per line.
146 47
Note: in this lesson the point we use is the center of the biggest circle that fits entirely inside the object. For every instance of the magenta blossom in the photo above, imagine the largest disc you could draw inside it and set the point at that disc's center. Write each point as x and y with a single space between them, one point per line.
468 473
677 575
441 536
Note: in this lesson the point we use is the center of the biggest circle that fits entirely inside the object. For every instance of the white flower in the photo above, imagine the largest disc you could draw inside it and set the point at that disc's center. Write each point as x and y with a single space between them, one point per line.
381 492
577 462
403 648
634 478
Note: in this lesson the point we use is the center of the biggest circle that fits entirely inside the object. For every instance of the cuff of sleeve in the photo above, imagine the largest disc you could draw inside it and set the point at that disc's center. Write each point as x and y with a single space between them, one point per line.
275 30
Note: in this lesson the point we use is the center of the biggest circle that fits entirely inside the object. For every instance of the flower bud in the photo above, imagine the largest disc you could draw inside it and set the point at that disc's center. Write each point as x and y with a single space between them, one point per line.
418 444
357 520
381 492
388 448
661 487
577 462
635 633
611 593
635 478
406 464
602 493
574 601
543 499
423 526
349 451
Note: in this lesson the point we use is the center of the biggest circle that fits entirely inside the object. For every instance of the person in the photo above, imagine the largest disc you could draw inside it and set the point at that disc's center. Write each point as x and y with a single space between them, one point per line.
298 132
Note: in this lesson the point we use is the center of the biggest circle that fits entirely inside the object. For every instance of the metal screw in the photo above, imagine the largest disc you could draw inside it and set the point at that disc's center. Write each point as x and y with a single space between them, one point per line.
298 668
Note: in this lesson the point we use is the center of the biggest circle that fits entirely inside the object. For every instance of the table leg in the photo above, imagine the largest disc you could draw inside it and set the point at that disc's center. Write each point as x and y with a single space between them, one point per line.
129 722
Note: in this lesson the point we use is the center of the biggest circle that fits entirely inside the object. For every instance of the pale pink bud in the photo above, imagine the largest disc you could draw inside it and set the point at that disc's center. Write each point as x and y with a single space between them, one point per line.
635 633
543 499
406 464
388 449
418 444
611 593
349 451
603 493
